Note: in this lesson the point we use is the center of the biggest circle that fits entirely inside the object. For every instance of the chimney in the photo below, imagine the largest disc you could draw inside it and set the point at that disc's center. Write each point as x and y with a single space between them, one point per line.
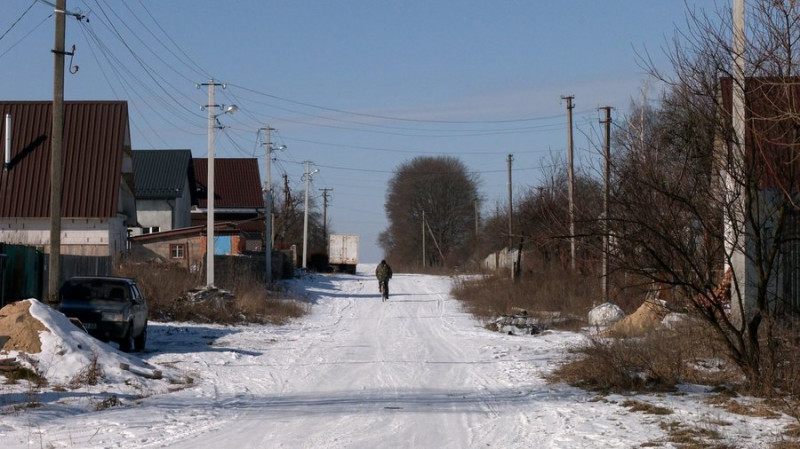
7 160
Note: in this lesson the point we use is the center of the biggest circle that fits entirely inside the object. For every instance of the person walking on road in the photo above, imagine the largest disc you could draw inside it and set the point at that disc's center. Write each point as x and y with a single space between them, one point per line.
383 273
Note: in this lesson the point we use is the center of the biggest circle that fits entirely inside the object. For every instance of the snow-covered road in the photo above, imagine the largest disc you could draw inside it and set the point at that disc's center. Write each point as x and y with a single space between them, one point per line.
413 372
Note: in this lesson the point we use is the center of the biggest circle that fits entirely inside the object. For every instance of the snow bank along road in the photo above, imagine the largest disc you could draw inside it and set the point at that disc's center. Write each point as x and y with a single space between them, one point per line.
415 371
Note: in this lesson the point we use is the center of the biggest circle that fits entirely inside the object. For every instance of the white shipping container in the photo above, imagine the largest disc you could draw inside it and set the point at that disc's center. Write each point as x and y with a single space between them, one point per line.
343 252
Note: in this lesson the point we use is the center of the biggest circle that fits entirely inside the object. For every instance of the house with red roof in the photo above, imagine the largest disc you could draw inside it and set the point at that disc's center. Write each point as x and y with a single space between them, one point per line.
98 203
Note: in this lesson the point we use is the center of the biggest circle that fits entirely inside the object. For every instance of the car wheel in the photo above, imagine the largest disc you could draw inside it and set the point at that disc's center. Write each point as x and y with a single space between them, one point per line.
140 341
126 344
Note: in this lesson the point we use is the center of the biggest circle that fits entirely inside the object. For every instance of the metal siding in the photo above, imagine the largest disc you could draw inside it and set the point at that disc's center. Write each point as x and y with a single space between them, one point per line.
237 182
161 174
94 134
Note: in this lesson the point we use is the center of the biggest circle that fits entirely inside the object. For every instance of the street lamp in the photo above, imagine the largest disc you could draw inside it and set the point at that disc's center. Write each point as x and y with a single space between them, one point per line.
212 120
307 178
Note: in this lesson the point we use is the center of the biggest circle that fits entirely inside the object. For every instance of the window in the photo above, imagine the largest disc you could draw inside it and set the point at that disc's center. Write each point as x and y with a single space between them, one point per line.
151 229
177 251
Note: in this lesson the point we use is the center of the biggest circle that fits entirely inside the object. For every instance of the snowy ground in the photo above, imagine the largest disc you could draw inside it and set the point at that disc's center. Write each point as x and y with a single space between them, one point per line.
415 371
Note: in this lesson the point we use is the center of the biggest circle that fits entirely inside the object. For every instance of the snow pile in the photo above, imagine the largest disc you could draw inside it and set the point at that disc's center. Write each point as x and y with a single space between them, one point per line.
60 351
605 315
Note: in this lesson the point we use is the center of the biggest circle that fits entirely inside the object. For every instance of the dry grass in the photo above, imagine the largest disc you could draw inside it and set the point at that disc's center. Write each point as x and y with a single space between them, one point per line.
91 374
23 373
644 407
693 437
656 362
557 291
166 288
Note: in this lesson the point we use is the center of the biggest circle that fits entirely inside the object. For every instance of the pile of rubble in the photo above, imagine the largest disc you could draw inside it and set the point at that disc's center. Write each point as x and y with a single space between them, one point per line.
518 324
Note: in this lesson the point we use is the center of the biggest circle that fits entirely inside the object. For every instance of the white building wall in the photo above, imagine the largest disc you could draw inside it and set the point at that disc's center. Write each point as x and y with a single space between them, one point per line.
152 213
87 236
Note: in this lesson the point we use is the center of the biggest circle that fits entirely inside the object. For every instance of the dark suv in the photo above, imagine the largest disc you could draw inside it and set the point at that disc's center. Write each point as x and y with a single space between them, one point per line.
110 309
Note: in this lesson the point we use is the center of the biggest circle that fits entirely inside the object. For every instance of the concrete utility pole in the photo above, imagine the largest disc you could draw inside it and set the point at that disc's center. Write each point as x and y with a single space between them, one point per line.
736 228
606 196
307 177
268 209
56 144
571 179
210 187
510 202
325 211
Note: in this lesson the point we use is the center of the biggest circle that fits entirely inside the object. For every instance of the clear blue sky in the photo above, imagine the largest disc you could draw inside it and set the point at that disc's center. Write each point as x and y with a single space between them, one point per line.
356 87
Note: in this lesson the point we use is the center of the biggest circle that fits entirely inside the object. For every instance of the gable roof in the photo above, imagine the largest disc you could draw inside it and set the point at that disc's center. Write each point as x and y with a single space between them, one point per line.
237 183
95 135
162 174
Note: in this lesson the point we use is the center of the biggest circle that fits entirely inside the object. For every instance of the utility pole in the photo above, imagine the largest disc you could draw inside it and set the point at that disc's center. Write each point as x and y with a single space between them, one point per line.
268 209
477 220
510 202
307 177
423 239
210 187
606 196
287 194
211 106
571 179
325 211
56 148
737 231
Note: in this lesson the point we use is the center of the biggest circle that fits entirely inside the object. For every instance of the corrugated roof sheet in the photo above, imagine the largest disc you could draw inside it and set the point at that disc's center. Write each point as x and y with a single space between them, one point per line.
162 173
237 183
95 136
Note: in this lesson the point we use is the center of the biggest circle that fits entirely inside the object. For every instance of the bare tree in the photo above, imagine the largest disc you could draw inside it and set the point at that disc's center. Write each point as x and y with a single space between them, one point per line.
444 191
678 176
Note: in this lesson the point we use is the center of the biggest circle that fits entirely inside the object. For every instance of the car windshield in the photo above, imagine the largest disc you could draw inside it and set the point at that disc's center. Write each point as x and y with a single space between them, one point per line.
93 289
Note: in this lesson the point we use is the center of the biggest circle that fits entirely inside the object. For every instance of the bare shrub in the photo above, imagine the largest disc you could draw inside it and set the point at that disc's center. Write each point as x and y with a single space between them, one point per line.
657 361
111 401
161 283
554 290
91 374
172 295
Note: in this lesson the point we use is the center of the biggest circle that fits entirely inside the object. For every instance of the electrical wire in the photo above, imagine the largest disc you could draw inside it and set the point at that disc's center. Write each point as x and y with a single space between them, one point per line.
26 35
17 21
399 119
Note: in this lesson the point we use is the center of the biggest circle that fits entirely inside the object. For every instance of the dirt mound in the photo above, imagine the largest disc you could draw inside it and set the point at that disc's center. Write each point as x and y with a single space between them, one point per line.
19 330
647 317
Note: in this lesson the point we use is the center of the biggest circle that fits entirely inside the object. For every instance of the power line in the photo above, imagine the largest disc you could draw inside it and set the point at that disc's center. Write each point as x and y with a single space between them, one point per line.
17 21
399 119
26 35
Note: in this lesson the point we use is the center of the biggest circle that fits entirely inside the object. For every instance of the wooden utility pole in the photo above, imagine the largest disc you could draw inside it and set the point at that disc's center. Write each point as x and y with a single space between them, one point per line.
423 239
510 202
571 179
325 211
56 148
477 220
606 195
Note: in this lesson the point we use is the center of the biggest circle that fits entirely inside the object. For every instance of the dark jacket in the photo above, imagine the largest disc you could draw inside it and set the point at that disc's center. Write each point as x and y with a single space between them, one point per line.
383 272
